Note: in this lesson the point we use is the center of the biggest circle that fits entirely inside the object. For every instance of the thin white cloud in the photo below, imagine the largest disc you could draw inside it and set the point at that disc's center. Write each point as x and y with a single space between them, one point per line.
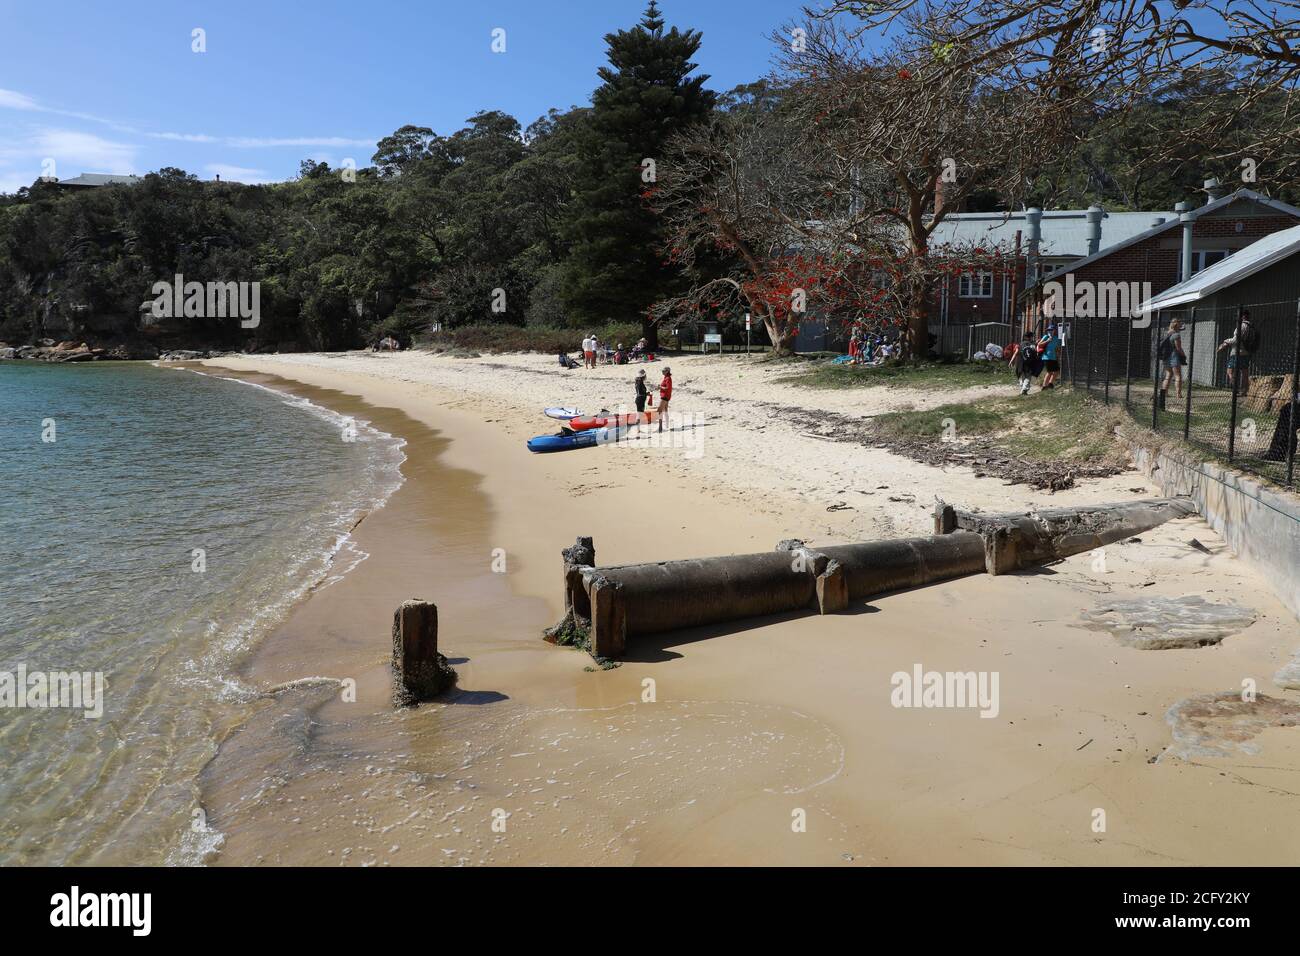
255 142
83 152
11 100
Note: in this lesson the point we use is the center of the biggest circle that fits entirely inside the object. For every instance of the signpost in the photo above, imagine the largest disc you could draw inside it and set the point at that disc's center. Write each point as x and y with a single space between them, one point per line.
711 338
746 333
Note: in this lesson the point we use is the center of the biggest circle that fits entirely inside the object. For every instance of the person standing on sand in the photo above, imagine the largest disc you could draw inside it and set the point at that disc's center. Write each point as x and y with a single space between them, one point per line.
1047 346
589 352
641 391
665 394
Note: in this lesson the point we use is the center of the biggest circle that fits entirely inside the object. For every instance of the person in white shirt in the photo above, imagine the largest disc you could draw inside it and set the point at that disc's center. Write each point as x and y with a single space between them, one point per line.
589 351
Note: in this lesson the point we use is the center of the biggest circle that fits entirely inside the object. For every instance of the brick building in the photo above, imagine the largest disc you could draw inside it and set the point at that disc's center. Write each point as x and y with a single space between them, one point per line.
1170 251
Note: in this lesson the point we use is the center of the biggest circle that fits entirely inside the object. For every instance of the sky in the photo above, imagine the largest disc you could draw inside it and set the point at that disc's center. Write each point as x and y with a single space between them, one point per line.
115 86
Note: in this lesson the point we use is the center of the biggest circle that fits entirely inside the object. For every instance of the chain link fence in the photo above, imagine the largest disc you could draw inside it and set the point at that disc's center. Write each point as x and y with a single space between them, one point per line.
1182 375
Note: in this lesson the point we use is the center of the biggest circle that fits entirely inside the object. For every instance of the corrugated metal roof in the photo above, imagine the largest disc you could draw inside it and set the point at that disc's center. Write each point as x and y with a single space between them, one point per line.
1064 231
1260 254
1241 195
99 179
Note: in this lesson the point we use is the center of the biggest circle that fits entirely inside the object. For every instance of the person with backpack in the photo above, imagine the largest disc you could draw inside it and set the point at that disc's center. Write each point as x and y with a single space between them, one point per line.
1170 354
1243 344
1024 357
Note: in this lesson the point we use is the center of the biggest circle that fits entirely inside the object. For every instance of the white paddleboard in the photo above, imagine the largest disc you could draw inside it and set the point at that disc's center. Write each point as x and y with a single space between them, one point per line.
563 414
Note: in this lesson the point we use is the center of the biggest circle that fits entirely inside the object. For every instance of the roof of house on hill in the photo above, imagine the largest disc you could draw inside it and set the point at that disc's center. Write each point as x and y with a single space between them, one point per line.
1245 262
1064 231
100 179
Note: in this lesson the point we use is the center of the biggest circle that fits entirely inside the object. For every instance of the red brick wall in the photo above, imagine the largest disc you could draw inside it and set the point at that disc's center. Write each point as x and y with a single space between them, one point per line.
1158 259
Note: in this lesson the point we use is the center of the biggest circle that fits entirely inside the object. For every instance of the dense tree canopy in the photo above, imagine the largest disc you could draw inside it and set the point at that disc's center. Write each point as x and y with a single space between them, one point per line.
663 200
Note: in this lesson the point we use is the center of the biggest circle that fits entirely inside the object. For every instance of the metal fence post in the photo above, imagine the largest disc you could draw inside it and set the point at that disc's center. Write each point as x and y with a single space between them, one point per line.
1234 356
1155 375
1294 398
1109 323
1191 358
1092 332
1128 365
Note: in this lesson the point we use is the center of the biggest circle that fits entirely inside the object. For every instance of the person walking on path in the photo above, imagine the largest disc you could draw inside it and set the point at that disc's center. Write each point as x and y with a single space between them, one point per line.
1047 347
1027 365
1171 355
665 395
1241 351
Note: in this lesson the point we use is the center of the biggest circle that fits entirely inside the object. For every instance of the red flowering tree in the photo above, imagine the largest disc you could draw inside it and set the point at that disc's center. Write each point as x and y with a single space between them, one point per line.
915 128
768 220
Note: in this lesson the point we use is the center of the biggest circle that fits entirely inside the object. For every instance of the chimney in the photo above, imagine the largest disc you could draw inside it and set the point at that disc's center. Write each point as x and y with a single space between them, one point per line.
1187 219
1034 217
1094 229
1158 221
938 196
1212 190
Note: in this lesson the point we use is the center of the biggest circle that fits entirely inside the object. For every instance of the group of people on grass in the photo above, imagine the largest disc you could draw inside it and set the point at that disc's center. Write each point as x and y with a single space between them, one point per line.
873 345
1032 357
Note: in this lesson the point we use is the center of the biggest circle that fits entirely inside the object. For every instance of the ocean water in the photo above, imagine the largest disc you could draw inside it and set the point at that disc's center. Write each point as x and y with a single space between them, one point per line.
174 519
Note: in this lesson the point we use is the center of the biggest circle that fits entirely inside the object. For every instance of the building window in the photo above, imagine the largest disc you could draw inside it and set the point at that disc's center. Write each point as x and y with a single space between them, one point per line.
1203 258
975 285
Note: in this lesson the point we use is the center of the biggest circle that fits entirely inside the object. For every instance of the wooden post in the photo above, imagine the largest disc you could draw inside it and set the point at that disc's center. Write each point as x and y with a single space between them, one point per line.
419 671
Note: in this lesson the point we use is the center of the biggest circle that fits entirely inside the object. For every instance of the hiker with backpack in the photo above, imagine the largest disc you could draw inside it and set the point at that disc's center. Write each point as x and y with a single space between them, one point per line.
1026 362
1171 356
1243 343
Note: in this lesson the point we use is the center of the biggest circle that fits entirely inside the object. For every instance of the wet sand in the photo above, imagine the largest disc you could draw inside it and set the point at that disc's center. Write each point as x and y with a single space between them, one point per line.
538 760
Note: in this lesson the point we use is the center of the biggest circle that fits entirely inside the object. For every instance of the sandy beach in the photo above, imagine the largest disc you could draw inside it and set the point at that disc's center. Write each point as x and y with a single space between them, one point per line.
540 759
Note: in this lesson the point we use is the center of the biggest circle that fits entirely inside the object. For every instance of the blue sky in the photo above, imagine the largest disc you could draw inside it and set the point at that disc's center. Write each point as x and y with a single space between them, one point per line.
114 85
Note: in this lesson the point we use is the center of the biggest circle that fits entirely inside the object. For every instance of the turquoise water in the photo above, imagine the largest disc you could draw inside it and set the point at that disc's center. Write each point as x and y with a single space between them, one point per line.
99 530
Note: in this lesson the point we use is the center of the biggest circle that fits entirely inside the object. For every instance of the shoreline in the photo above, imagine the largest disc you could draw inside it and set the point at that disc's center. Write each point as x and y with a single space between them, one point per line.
750 723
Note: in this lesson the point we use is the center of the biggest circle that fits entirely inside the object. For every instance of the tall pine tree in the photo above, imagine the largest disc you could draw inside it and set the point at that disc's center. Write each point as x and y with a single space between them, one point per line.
615 269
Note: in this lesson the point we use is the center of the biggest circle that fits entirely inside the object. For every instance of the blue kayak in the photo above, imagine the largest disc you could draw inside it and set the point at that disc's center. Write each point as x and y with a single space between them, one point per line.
588 439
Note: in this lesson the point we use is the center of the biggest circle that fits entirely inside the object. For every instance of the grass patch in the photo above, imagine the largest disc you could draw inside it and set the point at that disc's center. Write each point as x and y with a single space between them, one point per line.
1052 426
950 375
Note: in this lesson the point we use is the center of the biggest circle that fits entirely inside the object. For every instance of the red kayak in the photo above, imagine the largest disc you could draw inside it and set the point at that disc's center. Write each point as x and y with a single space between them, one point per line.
588 422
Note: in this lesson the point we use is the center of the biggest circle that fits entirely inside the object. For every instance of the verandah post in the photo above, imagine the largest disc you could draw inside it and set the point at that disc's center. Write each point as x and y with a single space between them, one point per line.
1187 373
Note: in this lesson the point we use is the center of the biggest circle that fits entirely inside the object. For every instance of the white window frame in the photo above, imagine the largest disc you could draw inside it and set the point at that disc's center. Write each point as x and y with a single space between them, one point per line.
965 284
1198 258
